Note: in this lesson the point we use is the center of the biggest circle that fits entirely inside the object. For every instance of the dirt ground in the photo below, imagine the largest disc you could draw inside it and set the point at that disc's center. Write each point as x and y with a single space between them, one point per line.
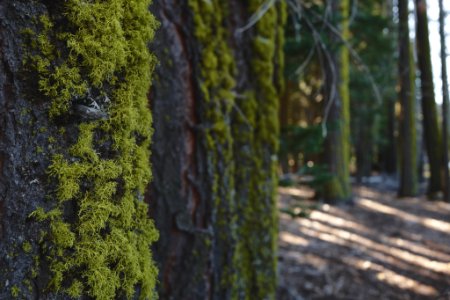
379 247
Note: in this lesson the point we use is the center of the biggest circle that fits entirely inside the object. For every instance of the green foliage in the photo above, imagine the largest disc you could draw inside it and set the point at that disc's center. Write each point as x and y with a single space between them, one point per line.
297 140
374 41
319 174
104 251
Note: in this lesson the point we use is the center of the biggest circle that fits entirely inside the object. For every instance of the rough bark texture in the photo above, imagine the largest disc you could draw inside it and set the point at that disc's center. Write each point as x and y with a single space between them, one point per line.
73 223
22 169
430 118
178 196
337 144
407 138
215 118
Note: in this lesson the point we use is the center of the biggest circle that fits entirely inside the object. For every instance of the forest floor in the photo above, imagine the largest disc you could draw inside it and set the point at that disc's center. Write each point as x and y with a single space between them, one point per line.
378 247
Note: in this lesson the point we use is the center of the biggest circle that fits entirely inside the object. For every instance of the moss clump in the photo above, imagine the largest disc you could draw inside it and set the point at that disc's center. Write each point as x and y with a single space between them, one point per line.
26 246
102 49
15 291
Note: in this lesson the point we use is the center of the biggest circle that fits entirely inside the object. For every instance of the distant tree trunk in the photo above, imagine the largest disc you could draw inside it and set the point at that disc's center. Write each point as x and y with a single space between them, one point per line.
430 117
445 99
74 150
337 144
407 134
388 151
215 103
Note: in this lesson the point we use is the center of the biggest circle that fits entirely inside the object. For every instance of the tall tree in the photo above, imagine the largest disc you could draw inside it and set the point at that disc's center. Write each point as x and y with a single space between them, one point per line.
337 145
215 176
407 133
388 151
433 139
445 99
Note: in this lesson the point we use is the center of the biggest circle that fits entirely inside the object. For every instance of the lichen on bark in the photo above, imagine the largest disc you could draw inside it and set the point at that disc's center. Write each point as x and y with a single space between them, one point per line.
99 233
256 144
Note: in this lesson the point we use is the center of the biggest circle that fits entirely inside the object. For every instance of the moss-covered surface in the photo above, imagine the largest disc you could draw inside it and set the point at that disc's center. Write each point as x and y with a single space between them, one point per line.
256 144
244 246
338 188
99 232
215 98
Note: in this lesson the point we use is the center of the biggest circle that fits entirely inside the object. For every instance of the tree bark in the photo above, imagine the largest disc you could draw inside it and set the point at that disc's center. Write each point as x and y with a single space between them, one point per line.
75 150
337 143
430 118
407 138
213 155
445 99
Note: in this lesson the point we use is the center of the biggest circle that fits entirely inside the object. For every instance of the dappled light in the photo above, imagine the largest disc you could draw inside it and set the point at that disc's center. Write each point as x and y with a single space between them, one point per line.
428 222
365 250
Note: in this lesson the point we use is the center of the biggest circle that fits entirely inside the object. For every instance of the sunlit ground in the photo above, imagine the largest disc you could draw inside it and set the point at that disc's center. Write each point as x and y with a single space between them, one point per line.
379 248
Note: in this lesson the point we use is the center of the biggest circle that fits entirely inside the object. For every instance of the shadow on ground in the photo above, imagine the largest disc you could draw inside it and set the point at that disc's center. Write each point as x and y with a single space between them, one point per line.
380 247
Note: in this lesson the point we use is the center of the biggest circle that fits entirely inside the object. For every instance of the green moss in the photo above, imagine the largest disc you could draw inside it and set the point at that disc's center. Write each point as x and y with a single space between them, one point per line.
104 252
339 188
28 285
15 292
26 246
216 82
256 139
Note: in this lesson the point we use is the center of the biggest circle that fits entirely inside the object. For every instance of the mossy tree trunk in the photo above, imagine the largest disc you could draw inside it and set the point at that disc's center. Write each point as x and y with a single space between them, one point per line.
74 150
430 118
407 128
216 128
445 99
337 143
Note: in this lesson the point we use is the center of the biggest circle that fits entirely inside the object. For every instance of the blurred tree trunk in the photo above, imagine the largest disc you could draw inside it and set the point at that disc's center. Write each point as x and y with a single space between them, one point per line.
445 99
407 133
388 154
337 143
430 117
215 103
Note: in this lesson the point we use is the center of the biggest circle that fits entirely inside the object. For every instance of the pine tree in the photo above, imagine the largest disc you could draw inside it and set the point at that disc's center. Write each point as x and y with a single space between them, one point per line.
433 139
213 196
445 99
407 132
337 144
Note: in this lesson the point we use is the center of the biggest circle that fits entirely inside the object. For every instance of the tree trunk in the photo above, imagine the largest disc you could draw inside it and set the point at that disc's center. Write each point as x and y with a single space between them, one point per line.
74 150
430 117
407 128
337 144
445 99
216 135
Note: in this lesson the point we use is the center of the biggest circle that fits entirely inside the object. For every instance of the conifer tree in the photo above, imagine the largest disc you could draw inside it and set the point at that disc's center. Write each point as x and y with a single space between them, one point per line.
337 144
433 140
